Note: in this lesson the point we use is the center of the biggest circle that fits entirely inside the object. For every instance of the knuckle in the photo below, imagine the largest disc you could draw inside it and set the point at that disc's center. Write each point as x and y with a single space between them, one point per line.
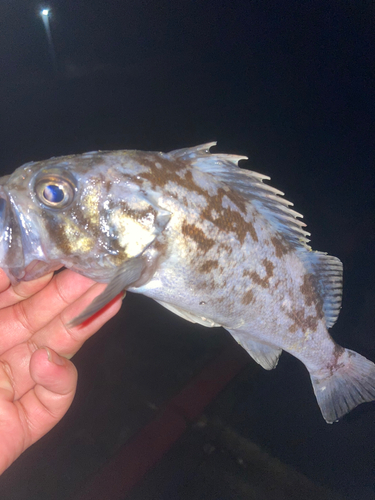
59 289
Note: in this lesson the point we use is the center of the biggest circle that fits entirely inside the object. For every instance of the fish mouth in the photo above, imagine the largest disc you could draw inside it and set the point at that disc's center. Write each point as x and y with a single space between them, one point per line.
21 253
20 250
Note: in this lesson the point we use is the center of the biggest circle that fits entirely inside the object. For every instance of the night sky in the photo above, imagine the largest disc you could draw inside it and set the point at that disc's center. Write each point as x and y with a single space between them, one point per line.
289 84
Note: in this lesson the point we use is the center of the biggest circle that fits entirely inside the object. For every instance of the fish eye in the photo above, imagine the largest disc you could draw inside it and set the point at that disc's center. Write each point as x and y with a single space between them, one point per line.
55 192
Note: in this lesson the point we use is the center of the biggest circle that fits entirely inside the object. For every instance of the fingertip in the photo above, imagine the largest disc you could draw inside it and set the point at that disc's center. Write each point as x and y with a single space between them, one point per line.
25 289
53 357
44 358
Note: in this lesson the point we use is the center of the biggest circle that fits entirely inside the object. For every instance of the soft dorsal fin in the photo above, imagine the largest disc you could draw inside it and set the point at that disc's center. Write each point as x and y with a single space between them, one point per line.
327 272
270 203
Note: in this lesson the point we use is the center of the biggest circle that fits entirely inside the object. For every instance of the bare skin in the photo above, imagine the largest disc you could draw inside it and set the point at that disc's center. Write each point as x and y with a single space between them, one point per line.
37 381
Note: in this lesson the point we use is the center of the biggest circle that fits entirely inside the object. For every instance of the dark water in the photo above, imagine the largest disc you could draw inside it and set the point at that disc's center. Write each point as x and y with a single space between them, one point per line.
289 84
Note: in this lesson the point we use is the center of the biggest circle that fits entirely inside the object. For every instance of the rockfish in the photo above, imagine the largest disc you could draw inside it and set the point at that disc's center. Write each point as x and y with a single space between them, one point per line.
208 240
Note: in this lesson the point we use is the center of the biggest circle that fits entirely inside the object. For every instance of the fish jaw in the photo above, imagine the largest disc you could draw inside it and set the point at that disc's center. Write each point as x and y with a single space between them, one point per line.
21 254
11 250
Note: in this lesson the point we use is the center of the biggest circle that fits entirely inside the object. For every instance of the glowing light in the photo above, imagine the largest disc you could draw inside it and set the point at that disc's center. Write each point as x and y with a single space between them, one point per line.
45 14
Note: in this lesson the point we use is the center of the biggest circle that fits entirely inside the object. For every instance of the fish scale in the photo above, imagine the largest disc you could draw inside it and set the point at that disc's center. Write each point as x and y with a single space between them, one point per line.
208 240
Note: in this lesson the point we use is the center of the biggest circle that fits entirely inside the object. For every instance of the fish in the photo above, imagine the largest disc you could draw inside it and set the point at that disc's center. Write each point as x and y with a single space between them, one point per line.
210 241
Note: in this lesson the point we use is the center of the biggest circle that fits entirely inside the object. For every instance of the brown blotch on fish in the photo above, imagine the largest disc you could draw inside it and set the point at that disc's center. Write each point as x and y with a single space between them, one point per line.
308 289
236 200
269 267
59 237
136 214
208 266
302 322
263 282
310 293
208 284
248 298
254 276
229 220
196 234
227 248
281 247
161 246
169 173
337 352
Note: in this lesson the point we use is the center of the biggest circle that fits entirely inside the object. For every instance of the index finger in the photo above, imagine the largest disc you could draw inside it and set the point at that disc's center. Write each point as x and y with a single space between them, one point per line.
22 290
4 281
20 321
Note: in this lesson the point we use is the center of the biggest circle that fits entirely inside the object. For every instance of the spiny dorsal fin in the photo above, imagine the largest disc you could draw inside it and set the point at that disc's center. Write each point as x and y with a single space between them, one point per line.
266 199
193 152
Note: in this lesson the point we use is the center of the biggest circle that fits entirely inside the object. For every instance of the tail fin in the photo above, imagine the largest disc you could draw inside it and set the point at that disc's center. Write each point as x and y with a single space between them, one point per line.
352 383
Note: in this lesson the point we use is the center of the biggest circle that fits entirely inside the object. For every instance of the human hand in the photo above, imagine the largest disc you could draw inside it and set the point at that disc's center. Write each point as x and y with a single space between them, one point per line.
37 385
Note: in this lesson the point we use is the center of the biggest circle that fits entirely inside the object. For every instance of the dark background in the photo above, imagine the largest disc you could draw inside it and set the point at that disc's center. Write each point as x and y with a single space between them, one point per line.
290 84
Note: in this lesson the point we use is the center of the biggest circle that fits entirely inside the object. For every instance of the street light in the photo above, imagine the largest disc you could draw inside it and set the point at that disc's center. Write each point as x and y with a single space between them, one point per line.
45 13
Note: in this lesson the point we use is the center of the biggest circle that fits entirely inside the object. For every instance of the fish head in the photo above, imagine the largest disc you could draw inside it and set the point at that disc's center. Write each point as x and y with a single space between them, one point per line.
79 211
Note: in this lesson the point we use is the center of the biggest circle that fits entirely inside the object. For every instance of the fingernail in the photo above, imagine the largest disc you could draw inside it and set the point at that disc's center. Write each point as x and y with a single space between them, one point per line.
123 295
53 357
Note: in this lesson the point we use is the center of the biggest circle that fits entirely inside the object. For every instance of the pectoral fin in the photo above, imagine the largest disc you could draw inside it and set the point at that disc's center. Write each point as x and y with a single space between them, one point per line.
127 274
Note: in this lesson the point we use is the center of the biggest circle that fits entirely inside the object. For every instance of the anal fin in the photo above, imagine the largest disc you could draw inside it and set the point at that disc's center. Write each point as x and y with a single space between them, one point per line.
264 354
